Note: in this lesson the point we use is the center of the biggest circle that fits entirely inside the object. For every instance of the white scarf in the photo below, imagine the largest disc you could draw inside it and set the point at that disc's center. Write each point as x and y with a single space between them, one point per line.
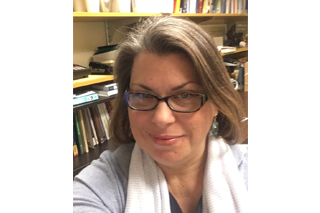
224 189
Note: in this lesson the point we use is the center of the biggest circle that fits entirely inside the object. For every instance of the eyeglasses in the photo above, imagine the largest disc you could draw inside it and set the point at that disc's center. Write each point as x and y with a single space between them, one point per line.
183 102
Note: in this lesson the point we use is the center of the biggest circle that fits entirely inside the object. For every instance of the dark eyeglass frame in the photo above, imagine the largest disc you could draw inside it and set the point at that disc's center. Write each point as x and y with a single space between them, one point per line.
165 99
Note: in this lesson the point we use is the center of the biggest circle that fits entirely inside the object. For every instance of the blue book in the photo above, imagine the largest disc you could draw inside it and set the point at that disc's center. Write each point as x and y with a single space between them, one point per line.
223 6
85 97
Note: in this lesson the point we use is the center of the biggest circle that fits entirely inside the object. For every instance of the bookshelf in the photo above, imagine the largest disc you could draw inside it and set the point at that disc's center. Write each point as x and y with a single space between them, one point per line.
92 79
97 29
102 16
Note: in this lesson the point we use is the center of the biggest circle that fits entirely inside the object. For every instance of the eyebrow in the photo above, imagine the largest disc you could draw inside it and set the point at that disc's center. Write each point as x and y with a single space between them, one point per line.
173 89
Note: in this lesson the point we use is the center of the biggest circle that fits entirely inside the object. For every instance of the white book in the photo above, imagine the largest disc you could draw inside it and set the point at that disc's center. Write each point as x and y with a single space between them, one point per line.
106 93
95 141
193 6
228 4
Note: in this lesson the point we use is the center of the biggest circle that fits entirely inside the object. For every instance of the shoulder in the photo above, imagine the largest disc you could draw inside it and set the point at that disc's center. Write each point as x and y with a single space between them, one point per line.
102 186
240 153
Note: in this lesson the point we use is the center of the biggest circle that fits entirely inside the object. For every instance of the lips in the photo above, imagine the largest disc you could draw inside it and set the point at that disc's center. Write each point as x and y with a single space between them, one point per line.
165 140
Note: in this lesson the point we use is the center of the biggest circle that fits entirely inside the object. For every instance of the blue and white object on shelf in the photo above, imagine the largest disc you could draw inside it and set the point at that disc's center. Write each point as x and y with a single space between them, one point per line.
85 97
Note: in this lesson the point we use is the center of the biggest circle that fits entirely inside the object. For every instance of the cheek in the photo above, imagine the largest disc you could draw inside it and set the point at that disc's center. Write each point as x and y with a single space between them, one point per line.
137 120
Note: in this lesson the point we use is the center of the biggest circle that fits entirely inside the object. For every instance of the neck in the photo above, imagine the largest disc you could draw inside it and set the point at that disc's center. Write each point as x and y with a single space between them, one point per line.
186 177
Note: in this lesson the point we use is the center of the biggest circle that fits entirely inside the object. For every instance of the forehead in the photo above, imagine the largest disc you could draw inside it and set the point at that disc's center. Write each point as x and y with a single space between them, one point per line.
167 69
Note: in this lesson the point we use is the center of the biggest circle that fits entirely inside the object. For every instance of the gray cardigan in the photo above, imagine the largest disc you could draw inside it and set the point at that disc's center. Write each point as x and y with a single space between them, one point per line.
102 186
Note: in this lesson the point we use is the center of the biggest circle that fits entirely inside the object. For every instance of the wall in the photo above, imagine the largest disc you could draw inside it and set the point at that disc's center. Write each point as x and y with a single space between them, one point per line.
87 36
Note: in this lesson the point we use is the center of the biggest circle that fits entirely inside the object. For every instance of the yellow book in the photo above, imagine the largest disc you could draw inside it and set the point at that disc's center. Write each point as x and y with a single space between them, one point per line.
177 9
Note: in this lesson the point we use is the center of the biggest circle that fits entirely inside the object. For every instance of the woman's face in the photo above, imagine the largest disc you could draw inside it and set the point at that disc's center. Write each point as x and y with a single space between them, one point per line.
171 138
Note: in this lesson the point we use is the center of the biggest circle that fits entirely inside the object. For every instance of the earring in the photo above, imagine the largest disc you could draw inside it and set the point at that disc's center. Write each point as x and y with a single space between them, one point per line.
215 126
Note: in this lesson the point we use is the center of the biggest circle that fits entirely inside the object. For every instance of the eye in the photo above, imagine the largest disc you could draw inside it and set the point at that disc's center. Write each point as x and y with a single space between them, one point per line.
144 95
184 95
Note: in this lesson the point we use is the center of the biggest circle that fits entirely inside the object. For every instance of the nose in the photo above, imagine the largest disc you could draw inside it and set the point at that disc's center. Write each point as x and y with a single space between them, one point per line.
163 115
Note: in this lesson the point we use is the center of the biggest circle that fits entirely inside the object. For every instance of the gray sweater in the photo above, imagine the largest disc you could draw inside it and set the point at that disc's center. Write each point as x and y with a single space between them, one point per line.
102 186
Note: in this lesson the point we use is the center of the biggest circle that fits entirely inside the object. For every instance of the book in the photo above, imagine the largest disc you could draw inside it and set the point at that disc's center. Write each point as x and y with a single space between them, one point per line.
83 131
200 7
217 6
88 130
185 6
105 5
75 148
79 138
212 2
228 3
192 6
121 6
106 93
177 6
97 123
223 6
95 141
81 97
104 119
133 6
106 87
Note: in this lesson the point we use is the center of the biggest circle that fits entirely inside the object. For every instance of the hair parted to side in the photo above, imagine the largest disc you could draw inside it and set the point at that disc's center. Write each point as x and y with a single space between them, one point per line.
165 35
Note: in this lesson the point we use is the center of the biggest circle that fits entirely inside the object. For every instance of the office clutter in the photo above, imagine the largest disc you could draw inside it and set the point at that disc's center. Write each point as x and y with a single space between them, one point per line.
238 71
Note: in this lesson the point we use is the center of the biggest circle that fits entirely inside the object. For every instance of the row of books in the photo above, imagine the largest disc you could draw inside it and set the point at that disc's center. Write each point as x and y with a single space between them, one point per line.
163 6
211 6
90 127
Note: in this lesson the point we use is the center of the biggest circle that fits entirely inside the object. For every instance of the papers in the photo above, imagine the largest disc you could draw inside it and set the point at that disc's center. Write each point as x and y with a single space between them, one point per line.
226 49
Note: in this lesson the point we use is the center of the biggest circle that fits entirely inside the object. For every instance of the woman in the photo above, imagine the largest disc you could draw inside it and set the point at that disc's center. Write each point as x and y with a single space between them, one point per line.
173 90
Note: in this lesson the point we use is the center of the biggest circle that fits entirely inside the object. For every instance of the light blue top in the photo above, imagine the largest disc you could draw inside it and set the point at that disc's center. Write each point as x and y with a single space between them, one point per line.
102 186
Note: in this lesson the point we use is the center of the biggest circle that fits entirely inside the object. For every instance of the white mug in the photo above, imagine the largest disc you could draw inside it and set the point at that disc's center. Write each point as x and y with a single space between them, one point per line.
234 83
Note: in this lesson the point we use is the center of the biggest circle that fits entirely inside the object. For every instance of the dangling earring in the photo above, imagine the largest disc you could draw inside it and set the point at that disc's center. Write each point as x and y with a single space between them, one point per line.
215 126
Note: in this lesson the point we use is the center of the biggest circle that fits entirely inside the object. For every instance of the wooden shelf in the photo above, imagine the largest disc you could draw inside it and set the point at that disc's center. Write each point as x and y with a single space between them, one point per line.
239 50
103 16
92 79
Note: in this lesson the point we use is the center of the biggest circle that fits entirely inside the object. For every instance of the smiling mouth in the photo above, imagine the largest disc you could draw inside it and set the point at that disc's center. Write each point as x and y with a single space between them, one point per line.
165 140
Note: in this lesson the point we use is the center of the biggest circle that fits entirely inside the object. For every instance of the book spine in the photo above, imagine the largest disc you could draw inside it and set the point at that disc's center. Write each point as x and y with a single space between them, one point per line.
83 131
75 148
177 6
212 8
223 6
95 107
96 123
104 119
185 6
133 6
85 99
89 133
228 6
217 6
80 144
95 141
200 6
